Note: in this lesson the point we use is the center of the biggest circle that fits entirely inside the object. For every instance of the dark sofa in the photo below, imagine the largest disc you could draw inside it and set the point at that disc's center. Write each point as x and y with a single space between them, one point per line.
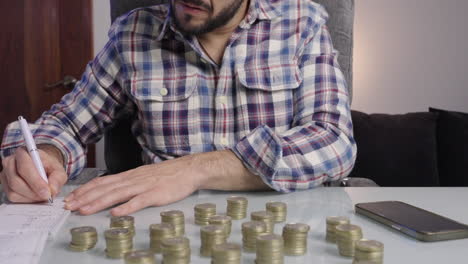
413 149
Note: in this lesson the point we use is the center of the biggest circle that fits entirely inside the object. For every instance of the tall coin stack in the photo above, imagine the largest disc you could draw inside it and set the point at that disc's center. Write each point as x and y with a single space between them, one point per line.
119 241
270 249
176 218
295 239
211 235
332 222
158 232
203 212
83 238
140 257
368 250
266 217
346 237
124 222
279 211
176 250
226 253
222 220
237 207
250 231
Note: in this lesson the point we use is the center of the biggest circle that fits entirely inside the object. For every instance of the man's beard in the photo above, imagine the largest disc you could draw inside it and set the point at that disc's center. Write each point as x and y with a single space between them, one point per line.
212 23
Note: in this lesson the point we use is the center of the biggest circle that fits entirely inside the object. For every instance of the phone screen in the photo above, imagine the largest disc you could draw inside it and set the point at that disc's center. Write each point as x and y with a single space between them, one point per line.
412 217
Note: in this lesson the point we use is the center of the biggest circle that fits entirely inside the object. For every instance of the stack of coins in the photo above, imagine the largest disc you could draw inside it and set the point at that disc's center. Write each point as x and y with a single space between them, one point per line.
124 222
222 220
270 249
158 232
332 222
176 250
295 239
250 231
140 257
237 207
266 217
176 218
368 250
119 241
279 211
203 213
226 253
346 237
211 235
83 238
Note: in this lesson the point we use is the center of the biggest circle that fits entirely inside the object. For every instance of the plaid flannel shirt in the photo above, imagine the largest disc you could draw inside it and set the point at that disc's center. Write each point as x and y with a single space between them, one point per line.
278 100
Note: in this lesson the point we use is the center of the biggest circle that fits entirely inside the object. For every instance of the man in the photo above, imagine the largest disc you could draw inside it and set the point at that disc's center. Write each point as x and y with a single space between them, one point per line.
228 94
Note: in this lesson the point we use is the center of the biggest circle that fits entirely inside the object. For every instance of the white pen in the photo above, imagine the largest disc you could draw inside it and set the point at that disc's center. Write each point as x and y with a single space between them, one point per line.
32 149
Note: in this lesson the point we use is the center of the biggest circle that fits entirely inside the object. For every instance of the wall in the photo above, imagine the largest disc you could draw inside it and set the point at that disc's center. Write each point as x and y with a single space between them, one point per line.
101 21
409 55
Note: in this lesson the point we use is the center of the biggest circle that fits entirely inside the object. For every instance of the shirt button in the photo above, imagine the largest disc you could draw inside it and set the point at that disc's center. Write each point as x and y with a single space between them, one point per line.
222 100
163 91
224 141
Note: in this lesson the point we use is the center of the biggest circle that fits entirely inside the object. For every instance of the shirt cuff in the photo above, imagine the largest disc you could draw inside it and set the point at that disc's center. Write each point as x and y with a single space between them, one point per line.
73 155
260 151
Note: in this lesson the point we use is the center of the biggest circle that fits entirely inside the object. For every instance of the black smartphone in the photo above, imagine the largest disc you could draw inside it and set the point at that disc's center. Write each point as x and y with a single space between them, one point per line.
413 221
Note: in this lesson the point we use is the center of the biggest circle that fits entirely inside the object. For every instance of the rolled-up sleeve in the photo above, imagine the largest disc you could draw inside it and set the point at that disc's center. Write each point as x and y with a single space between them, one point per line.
320 146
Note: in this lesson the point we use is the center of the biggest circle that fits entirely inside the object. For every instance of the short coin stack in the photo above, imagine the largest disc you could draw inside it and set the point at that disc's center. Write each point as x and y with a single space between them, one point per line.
222 220
83 238
203 213
176 250
270 249
140 257
346 237
118 241
211 235
368 250
279 211
237 207
226 253
250 231
295 239
266 217
176 218
158 232
124 222
332 222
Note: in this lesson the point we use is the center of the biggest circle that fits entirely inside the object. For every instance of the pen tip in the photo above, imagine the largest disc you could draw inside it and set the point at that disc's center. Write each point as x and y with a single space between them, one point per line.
51 201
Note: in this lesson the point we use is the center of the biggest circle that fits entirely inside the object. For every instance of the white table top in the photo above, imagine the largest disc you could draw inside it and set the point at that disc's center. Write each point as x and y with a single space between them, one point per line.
310 207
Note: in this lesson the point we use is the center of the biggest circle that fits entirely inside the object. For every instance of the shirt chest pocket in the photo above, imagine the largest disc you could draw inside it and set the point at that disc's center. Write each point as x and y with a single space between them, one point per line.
266 95
166 108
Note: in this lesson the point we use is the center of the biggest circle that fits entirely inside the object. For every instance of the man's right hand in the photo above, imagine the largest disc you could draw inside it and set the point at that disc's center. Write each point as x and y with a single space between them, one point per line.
21 180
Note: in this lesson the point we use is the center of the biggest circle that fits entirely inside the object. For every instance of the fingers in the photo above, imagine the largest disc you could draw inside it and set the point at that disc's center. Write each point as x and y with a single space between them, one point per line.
136 203
82 198
13 196
94 183
111 197
16 183
26 170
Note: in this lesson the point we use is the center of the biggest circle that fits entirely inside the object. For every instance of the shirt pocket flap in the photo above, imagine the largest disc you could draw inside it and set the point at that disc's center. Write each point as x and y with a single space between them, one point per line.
270 78
164 89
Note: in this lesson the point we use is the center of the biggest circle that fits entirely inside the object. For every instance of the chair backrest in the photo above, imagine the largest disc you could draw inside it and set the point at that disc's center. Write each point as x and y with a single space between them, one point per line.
122 152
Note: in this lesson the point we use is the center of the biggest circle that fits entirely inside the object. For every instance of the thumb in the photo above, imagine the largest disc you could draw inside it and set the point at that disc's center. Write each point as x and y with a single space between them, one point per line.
55 173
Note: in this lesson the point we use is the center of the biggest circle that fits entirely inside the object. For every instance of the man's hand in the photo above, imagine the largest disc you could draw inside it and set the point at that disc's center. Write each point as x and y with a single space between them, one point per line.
163 183
21 180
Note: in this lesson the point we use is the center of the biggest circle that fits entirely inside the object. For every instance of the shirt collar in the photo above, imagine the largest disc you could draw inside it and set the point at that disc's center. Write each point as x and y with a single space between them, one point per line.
258 9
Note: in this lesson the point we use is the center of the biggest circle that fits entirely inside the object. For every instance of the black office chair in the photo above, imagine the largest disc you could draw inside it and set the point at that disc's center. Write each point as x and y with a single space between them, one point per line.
122 152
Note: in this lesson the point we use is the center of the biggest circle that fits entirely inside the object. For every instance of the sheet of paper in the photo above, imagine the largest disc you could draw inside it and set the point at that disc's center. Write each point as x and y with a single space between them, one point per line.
22 248
20 218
